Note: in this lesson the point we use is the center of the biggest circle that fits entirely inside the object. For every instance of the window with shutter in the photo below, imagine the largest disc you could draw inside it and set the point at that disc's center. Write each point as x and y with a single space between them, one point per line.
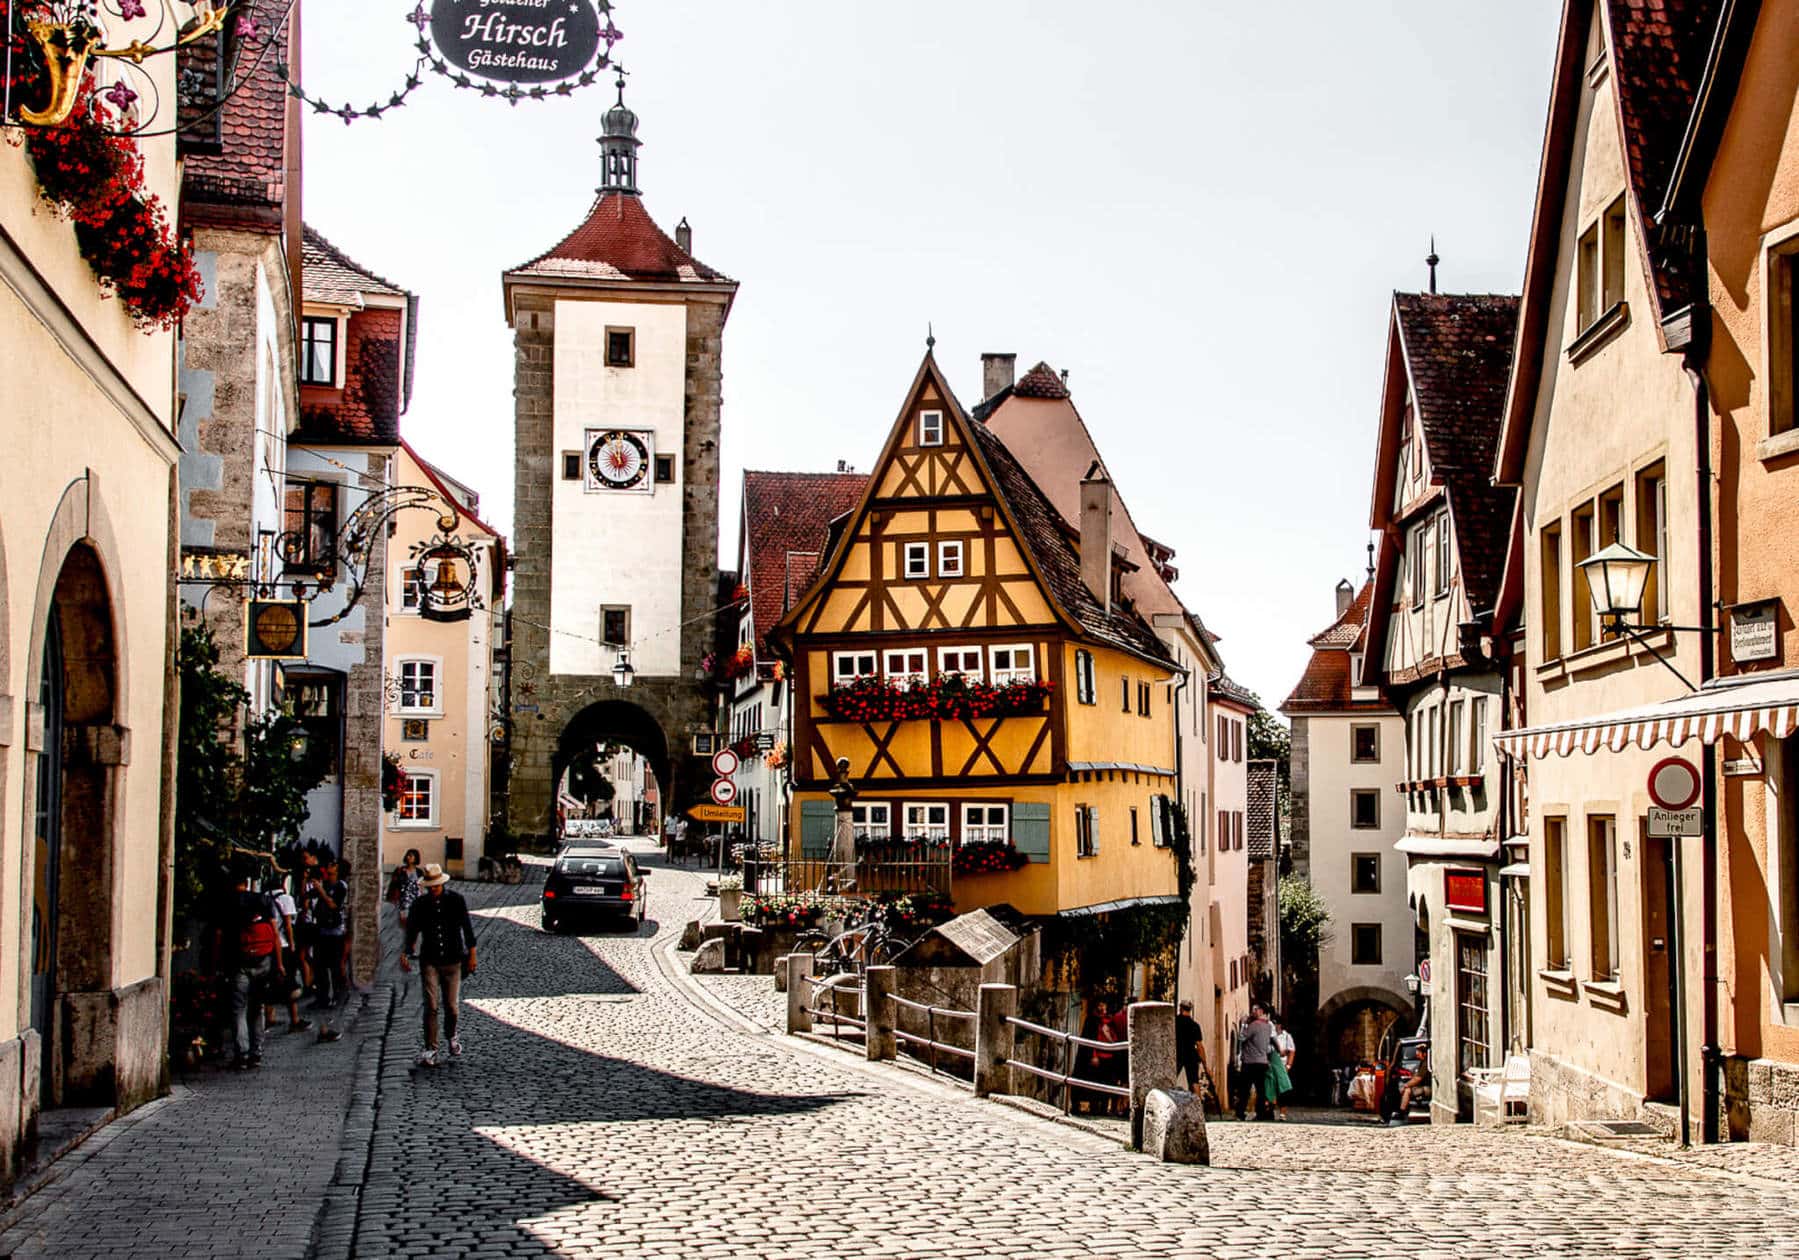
818 819
1083 677
1030 830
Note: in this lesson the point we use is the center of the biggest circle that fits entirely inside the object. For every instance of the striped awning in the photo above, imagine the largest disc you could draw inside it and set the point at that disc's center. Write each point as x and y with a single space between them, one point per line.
1742 711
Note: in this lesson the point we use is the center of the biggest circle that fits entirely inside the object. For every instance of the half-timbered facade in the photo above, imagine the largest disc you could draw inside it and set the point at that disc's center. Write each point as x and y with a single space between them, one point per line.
970 653
1444 528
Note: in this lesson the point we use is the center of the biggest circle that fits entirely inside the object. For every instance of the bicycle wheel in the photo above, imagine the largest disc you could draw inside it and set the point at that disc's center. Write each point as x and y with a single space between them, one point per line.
813 942
884 951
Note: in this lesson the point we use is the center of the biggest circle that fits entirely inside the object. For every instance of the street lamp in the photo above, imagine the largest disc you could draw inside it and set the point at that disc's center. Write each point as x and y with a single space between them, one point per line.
1616 578
622 671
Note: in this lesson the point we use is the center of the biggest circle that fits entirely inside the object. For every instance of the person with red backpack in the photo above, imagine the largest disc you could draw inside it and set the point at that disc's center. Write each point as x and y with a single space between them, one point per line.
256 963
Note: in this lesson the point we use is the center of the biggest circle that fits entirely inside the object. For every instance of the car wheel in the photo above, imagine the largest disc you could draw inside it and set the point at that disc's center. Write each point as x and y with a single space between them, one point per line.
551 925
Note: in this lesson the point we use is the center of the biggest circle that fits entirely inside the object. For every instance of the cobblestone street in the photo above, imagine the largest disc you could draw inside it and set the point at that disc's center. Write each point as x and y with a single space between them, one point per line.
608 1106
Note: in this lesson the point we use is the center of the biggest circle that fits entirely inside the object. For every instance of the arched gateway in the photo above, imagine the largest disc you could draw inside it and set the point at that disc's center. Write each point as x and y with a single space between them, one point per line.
618 330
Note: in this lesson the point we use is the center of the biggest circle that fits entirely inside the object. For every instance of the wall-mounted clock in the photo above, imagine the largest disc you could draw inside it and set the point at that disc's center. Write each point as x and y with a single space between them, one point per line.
618 459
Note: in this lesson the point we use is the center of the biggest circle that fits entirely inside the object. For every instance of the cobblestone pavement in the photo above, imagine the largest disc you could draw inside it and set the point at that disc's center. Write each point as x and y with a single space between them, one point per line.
605 1108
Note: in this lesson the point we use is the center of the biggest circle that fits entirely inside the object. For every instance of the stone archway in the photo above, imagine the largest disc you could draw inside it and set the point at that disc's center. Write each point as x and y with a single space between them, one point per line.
81 751
1352 1023
609 722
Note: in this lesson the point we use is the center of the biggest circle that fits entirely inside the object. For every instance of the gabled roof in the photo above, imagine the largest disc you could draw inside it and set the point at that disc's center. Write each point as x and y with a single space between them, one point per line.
1044 538
1326 685
1042 381
1223 688
1658 57
1458 353
619 241
786 528
333 277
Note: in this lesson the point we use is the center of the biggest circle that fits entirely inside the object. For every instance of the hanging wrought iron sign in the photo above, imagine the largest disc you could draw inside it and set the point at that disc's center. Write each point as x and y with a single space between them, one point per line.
275 629
519 41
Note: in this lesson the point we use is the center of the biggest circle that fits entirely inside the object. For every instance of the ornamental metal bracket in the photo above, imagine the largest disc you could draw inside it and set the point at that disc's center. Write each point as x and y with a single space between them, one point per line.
451 590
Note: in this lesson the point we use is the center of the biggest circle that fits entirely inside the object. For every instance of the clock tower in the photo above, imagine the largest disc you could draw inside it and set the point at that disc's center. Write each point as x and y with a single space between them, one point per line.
618 330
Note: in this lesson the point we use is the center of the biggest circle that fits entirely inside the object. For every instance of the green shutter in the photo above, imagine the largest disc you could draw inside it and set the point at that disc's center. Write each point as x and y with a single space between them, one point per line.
1030 829
818 821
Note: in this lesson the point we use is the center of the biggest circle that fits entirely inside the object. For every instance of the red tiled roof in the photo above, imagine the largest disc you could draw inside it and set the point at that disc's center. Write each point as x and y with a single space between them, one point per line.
787 517
1658 55
235 154
1459 350
1346 630
1041 381
1264 789
1325 687
619 241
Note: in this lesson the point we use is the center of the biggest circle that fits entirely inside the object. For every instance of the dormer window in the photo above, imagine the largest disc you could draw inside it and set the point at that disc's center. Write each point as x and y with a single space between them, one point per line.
318 350
930 428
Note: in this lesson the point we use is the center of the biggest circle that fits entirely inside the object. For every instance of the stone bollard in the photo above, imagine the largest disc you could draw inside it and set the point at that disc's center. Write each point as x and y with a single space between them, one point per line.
799 993
993 1039
709 959
878 1008
1152 1061
1174 1127
781 973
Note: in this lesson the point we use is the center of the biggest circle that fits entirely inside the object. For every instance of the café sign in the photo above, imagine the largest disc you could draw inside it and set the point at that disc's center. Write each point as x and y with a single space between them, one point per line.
520 41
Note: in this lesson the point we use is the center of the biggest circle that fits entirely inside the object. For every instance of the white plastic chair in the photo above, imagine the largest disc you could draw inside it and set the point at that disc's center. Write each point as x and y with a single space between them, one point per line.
1503 1095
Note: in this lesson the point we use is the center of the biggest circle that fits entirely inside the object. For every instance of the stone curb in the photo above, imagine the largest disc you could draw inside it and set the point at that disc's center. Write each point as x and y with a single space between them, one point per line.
334 1229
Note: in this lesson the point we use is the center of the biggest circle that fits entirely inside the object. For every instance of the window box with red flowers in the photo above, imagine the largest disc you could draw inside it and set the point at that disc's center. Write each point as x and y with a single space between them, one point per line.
91 171
947 697
742 661
988 857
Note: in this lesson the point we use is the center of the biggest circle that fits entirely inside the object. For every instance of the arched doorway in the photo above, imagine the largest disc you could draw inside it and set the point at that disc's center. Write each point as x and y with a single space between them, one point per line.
73 860
586 754
1353 1022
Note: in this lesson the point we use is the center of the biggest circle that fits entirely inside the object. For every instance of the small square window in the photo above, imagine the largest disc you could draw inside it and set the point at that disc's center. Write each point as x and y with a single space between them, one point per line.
918 560
1364 944
1364 744
318 350
1364 809
665 469
621 347
963 661
949 560
418 686
930 428
1364 872
615 626
848 667
1014 665
571 465
907 667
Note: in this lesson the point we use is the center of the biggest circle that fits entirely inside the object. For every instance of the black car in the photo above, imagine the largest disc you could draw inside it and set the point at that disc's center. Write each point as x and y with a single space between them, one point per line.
592 881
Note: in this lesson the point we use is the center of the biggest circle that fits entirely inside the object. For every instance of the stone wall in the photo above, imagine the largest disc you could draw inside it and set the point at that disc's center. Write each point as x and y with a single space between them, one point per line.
544 704
1770 1091
364 699
1561 1093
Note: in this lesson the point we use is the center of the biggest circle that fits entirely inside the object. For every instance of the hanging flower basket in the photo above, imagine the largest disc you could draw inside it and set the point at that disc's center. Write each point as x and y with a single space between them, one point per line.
947 697
742 661
393 782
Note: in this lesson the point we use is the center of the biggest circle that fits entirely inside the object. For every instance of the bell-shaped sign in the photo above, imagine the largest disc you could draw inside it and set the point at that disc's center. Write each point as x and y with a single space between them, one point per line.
517 41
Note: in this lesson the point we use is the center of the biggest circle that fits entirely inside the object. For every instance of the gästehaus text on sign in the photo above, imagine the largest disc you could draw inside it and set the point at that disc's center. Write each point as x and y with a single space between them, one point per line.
517 41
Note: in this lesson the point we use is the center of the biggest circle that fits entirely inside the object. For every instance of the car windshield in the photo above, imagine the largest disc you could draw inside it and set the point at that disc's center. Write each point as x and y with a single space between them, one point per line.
611 868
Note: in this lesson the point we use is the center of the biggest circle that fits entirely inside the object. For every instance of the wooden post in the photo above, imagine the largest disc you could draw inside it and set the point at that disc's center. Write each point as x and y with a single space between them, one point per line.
993 1039
799 993
879 1010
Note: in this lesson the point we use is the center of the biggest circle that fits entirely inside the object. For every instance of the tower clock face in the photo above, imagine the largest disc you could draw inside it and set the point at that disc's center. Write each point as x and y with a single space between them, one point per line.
618 460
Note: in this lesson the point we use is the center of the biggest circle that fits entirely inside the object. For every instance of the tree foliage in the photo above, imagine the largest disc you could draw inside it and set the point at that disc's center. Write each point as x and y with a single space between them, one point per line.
1270 739
229 799
1305 920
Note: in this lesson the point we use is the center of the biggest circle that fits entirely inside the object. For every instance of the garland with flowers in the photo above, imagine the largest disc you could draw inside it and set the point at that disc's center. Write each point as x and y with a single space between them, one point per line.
947 697
94 176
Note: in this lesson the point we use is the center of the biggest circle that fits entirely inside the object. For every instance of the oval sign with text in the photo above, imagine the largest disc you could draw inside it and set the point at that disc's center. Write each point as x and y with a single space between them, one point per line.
517 41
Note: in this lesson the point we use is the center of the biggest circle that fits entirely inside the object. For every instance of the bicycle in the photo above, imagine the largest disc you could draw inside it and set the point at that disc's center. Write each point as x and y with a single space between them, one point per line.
869 941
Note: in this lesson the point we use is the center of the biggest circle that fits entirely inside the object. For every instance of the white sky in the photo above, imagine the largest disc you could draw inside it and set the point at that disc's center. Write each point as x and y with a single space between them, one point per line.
1199 209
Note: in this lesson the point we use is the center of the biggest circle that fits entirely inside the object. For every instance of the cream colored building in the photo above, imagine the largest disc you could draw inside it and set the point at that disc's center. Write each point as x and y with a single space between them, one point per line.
1599 438
88 549
1347 817
438 718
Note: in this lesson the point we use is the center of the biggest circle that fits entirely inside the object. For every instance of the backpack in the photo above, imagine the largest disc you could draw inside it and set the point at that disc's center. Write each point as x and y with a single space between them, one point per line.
256 936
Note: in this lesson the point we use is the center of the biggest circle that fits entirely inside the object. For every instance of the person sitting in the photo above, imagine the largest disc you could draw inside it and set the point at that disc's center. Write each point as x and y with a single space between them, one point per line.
1417 1089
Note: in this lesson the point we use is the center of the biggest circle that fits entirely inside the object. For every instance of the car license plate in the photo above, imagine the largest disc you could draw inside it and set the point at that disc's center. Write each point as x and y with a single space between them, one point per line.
590 892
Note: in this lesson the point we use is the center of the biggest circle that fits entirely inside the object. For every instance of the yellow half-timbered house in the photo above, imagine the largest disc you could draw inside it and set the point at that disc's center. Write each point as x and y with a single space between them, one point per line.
969 650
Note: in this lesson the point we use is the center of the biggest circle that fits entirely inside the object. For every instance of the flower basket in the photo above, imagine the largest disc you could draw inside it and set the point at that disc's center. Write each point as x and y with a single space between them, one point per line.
797 909
741 664
947 697
988 857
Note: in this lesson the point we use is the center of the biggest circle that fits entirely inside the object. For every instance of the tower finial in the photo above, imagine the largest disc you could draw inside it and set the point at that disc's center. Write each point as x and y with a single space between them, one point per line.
618 146
930 338
1431 260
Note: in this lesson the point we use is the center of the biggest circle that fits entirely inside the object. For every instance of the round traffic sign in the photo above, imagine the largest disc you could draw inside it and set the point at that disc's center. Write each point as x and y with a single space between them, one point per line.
725 763
1674 783
724 791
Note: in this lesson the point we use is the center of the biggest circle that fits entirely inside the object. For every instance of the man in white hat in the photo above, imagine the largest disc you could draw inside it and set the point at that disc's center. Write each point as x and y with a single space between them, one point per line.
439 925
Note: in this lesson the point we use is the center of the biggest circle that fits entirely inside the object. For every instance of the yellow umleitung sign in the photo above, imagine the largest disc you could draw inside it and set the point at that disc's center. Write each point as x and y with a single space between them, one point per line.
716 813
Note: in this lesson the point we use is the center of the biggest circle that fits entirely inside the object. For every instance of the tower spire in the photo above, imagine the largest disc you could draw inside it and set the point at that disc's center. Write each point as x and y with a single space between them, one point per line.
1431 260
618 147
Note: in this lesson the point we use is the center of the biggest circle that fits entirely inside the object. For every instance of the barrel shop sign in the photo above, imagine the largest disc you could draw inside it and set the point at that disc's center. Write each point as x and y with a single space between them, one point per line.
524 41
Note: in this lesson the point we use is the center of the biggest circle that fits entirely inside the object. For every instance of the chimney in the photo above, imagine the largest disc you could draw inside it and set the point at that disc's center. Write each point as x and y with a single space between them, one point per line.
1096 535
998 371
1345 596
684 236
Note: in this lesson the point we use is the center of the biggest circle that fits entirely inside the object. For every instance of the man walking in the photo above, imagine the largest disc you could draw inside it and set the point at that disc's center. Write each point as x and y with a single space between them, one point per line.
1189 1046
257 962
445 938
1255 1040
326 897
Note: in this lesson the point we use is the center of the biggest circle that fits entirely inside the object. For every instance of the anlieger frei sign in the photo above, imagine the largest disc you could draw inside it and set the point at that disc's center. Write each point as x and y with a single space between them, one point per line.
518 41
